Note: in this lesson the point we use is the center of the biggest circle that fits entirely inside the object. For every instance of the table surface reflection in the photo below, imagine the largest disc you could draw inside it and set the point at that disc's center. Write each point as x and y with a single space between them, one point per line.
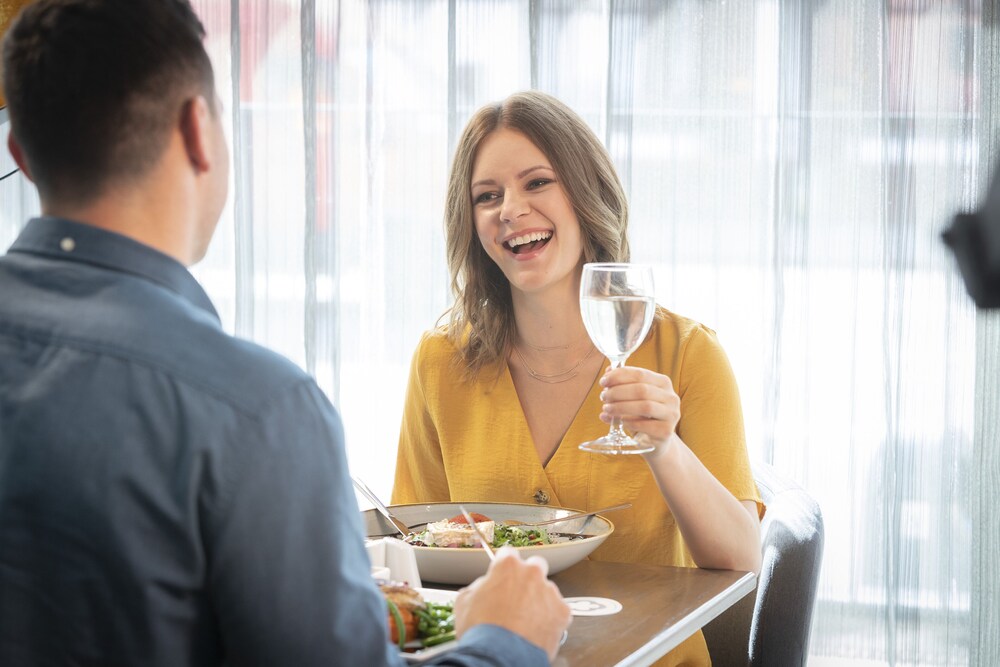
661 607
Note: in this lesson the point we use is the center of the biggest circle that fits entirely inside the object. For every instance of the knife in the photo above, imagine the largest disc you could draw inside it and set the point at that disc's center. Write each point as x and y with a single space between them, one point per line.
380 506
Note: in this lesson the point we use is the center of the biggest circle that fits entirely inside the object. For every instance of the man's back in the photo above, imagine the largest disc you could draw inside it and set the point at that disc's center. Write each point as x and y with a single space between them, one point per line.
138 443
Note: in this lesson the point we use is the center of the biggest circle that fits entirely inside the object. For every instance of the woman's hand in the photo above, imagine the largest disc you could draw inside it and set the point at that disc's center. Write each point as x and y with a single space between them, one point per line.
645 401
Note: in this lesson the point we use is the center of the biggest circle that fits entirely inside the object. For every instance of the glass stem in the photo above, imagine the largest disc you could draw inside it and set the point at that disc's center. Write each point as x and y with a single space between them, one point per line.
617 430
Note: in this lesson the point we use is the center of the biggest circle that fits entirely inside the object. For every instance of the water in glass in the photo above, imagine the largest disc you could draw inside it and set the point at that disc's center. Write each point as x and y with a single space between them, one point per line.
617 305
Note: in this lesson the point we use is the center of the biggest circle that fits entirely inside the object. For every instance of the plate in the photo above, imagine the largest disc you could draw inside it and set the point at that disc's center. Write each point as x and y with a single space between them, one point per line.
464 565
422 654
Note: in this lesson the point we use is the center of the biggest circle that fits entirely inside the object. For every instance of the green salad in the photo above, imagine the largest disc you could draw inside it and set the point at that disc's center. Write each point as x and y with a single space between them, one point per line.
516 536
455 533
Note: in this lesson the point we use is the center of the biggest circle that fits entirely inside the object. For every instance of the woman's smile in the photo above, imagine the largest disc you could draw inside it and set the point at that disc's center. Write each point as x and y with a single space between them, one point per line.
527 245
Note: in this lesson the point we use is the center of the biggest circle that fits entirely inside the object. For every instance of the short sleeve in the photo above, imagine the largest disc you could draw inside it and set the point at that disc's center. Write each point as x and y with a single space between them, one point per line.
420 471
711 414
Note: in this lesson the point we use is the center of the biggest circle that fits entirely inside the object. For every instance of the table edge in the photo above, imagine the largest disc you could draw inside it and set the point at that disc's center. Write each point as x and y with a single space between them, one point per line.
660 644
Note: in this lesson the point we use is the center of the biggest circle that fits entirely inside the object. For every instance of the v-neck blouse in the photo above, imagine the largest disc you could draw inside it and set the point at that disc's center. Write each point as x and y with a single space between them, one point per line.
471 442
462 441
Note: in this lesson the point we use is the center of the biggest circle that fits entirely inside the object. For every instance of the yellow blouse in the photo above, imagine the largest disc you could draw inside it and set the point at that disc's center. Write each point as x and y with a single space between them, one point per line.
462 442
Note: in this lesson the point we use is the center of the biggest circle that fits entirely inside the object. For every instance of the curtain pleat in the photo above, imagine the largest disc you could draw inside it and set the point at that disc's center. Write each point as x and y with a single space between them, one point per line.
624 26
310 246
982 66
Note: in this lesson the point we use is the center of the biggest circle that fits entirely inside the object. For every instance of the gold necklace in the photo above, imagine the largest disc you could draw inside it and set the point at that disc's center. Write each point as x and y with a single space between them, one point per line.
553 347
554 378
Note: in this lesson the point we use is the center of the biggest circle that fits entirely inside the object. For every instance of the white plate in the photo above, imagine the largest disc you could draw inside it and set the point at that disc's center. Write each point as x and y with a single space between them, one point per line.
422 654
464 565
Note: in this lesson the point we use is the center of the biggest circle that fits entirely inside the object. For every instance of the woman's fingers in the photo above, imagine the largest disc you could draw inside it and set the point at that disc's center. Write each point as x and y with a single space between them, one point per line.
647 395
633 375
645 401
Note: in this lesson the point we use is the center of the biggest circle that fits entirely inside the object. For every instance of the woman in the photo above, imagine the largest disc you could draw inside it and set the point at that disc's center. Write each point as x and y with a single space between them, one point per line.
500 397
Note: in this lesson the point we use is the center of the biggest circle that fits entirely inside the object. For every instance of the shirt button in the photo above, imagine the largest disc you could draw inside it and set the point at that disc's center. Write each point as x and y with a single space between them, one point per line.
541 497
67 244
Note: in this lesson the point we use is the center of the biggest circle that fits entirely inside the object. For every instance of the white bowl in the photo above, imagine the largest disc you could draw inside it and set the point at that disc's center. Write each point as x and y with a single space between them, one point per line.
464 565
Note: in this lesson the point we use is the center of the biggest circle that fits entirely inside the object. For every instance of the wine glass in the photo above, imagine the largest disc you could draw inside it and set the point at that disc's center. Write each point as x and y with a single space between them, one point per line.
617 304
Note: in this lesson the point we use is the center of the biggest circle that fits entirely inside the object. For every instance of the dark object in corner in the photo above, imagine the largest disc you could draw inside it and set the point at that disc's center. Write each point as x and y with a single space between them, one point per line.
974 238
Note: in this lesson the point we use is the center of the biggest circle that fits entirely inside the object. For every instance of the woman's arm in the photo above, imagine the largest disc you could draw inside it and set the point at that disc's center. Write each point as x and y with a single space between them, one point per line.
720 531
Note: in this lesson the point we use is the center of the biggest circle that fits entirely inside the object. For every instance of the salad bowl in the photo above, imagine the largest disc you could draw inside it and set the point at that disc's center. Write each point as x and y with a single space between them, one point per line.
572 540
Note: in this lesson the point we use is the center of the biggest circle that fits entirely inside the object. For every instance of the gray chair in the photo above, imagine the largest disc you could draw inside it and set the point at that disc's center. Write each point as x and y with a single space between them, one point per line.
772 628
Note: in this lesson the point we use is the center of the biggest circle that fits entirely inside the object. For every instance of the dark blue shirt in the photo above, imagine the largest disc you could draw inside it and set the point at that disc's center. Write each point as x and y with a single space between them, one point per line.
169 494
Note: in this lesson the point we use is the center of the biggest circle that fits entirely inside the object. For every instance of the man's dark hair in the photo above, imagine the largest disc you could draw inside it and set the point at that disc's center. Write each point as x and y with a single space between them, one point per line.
93 87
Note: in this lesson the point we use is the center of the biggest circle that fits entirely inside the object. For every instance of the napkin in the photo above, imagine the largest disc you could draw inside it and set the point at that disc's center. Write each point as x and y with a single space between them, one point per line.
396 555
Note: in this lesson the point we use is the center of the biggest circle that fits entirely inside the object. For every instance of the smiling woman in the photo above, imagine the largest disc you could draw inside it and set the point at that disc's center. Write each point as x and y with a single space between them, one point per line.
533 196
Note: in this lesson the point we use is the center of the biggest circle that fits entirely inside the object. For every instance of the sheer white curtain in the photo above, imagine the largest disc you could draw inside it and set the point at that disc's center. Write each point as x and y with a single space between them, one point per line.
790 165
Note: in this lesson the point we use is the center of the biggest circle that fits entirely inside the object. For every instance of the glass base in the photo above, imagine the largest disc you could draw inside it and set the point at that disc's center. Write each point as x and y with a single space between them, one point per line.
613 445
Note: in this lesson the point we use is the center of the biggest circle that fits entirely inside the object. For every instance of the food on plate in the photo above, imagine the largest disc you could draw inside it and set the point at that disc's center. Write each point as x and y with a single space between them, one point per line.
456 532
402 601
413 622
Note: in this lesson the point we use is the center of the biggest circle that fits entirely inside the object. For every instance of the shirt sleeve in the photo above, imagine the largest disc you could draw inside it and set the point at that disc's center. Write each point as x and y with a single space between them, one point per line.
492 645
289 576
420 472
712 417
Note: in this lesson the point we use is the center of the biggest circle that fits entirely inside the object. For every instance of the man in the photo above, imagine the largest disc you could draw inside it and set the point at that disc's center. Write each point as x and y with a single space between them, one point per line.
170 495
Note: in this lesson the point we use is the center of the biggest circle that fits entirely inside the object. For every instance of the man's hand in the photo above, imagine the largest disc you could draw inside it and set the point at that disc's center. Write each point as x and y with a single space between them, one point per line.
516 595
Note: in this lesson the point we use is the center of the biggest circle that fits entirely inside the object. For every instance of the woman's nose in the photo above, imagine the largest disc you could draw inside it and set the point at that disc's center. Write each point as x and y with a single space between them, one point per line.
514 206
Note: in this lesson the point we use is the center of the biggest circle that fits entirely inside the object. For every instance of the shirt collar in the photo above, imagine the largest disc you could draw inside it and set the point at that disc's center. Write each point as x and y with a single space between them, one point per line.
70 241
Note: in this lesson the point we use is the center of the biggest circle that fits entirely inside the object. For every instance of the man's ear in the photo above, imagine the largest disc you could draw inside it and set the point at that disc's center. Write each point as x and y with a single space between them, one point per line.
18 155
196 118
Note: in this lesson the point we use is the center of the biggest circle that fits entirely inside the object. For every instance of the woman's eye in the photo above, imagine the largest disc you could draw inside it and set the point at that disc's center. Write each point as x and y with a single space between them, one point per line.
538 182
485 197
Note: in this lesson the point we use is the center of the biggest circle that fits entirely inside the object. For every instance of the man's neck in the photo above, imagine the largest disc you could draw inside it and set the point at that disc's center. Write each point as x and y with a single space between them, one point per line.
138 214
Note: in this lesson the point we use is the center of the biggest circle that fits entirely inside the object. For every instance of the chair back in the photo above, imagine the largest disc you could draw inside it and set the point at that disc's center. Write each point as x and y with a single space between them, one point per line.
773 629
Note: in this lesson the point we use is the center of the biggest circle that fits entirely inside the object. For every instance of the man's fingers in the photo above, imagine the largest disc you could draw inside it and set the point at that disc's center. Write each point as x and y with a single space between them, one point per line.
540 563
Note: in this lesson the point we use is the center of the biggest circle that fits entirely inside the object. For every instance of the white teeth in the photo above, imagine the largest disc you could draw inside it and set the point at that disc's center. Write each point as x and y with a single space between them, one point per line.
528 238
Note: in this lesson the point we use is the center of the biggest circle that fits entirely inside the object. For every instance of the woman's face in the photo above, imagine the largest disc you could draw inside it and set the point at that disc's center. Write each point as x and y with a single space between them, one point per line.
523 216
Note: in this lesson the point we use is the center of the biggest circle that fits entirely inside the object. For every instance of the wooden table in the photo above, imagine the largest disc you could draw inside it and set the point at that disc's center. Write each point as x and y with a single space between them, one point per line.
661 607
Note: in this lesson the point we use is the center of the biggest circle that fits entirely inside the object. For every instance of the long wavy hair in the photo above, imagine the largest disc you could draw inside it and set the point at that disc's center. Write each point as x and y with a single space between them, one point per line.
481 321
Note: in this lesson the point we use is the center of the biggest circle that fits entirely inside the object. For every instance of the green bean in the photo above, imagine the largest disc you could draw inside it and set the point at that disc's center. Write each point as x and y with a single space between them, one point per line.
435 623
439 639
397 617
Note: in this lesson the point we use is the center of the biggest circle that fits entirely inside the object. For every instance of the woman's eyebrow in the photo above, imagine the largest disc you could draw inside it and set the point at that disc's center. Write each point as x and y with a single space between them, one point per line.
531 169
490 181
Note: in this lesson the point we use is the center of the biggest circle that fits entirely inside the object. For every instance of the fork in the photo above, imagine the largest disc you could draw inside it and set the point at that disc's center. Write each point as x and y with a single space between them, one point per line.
568 517
479 533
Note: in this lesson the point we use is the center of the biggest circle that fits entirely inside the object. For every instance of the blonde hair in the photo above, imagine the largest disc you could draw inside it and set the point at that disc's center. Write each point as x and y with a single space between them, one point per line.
481 321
